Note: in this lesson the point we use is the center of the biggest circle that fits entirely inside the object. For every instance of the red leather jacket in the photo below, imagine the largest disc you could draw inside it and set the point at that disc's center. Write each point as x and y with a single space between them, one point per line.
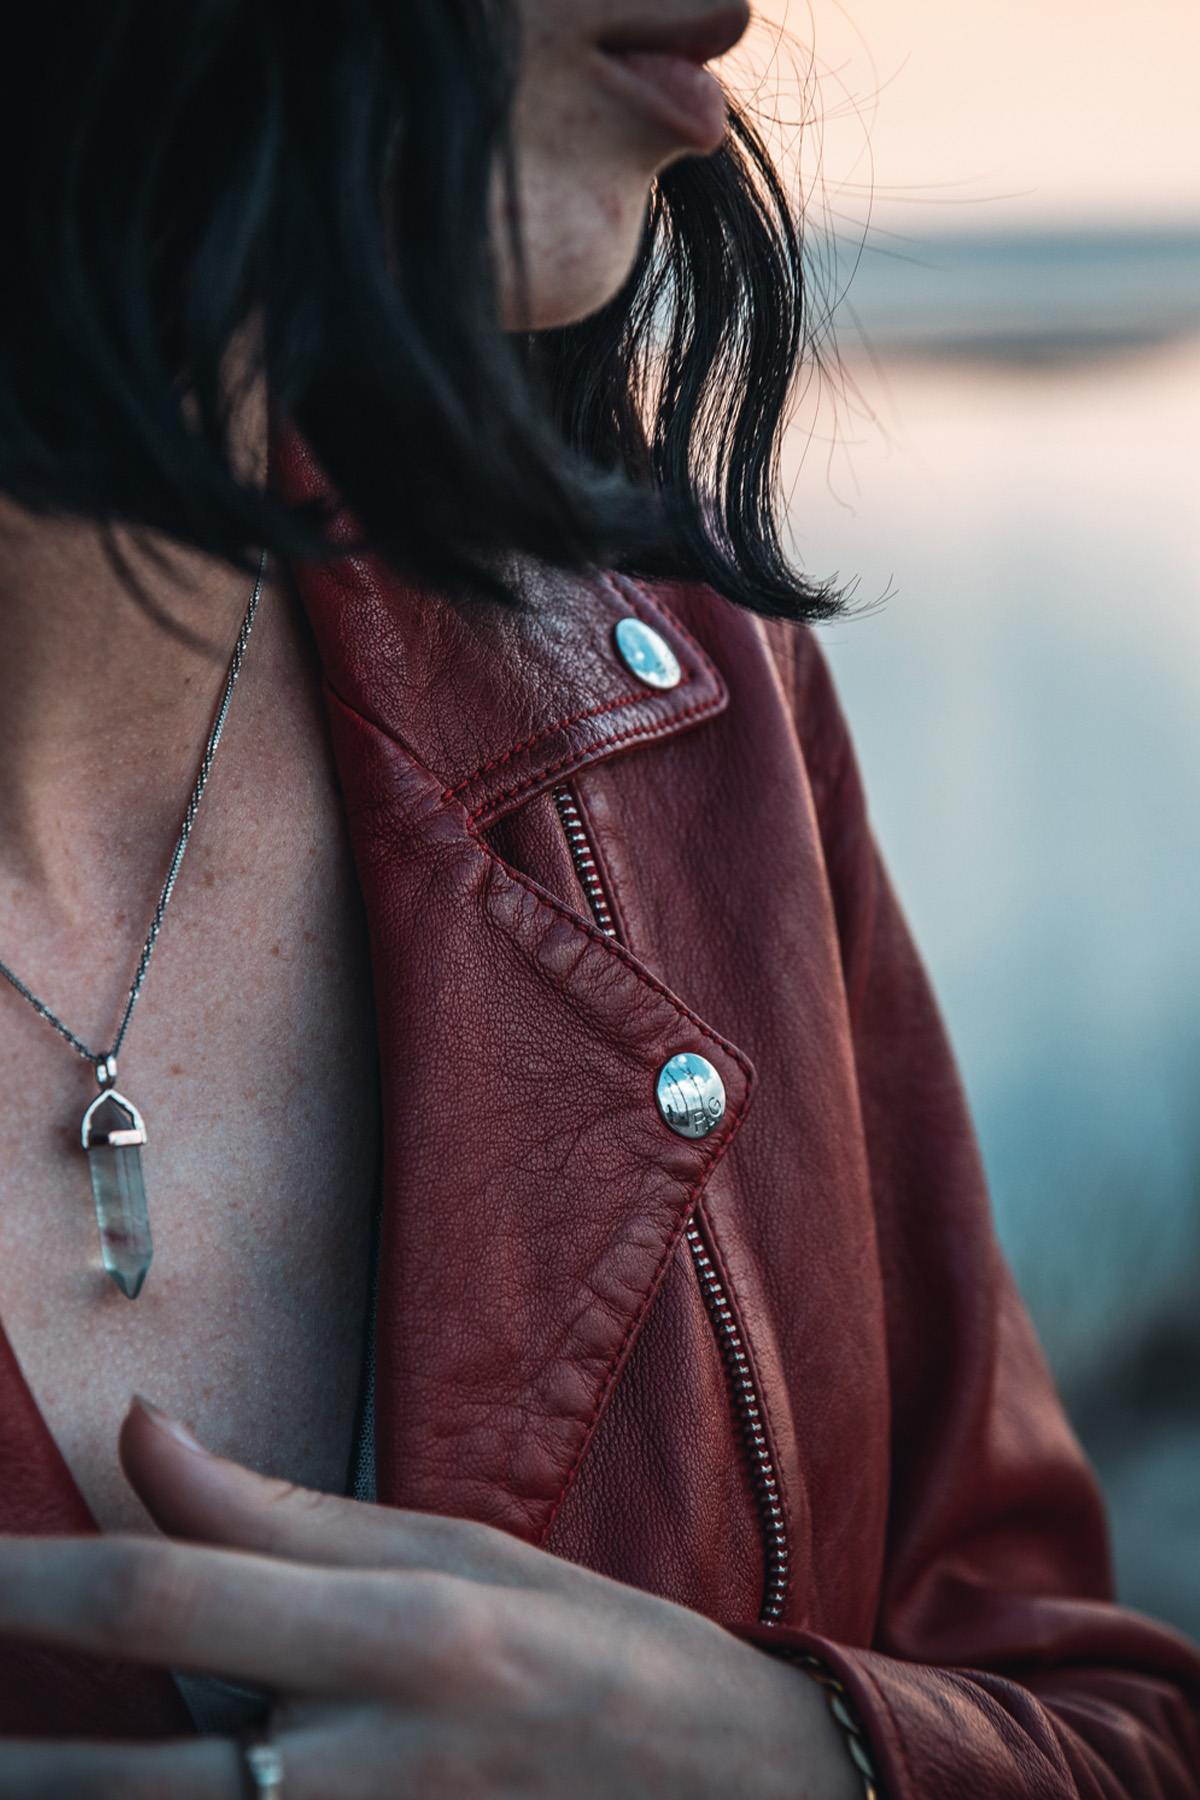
780 1373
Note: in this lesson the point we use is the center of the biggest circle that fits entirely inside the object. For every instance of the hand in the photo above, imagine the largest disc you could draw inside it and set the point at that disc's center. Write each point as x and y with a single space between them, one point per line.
409 1654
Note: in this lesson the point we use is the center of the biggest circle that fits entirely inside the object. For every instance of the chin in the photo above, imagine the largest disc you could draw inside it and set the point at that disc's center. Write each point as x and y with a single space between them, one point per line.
553 304
579 251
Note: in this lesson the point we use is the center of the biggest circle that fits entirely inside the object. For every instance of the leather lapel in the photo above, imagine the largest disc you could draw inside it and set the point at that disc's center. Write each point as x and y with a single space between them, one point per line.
495 703
533 1194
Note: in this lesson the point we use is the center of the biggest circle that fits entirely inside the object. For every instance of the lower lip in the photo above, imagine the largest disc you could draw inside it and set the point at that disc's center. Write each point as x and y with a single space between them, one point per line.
680 95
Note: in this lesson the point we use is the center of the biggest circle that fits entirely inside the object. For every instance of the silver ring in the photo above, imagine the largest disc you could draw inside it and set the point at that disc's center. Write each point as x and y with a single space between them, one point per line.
264 1765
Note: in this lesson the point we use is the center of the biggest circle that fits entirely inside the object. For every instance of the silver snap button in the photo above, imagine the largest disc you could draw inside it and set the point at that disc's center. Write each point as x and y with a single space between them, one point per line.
647 653
690 1094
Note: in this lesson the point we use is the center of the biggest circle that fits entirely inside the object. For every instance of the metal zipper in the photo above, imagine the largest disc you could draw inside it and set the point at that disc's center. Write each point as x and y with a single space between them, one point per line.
747 1403
584 858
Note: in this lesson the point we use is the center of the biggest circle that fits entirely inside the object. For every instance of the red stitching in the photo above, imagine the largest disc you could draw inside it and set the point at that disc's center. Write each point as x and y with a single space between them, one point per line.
590 750
614 948
658 612
546 899
661 607
720 1145
547 731
610 1372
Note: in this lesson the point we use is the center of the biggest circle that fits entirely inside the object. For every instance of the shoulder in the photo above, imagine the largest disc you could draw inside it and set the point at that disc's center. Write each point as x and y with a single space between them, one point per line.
812 697
781 663
808 691
791 646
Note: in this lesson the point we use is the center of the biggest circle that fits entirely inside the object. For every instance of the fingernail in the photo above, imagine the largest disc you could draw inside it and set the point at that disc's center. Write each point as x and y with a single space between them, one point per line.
166 1423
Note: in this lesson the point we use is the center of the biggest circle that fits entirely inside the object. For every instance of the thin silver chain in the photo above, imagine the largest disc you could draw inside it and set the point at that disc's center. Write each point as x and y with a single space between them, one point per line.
168 887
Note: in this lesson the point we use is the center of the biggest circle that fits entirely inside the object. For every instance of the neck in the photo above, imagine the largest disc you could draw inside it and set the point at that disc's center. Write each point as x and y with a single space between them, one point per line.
103 711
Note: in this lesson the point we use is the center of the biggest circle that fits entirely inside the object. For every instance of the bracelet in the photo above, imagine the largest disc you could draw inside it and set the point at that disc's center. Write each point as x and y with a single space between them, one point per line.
842 1710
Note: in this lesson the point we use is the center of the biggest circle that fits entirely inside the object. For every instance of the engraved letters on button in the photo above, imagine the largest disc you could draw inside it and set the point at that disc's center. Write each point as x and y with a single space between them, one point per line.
690 1094
647 653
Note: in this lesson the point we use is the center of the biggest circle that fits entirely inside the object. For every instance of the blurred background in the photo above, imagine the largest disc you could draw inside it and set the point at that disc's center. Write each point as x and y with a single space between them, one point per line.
999 453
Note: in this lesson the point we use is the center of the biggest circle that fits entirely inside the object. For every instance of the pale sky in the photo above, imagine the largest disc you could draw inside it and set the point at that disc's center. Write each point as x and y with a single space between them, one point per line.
993 112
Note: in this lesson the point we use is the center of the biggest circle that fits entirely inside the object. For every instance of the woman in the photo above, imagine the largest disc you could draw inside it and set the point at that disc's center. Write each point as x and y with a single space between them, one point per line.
535 1167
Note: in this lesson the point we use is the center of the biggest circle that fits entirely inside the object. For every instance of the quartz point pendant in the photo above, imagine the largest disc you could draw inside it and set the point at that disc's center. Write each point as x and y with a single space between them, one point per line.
113 1133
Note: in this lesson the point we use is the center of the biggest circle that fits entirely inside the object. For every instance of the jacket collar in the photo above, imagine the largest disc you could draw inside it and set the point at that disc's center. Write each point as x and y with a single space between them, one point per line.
495 703
533 1194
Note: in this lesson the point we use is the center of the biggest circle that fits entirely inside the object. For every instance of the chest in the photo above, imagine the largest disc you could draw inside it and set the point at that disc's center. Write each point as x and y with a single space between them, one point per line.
251 1058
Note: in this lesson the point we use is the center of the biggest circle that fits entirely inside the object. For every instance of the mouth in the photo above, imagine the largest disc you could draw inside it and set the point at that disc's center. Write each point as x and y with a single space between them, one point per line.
659 68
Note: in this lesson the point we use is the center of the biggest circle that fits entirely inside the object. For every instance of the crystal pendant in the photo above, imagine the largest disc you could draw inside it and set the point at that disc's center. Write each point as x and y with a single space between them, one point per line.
113 1133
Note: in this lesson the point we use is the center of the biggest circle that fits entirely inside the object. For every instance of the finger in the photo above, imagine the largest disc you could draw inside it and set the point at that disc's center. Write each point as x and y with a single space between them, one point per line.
280 1625
194 1494
201 1768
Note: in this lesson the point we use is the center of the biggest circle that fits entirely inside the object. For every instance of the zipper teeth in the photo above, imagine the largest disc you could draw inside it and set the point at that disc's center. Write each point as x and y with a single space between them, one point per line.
584 859
748 1406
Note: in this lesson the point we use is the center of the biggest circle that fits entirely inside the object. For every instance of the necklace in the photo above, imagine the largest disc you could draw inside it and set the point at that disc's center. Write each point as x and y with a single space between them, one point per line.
113 1130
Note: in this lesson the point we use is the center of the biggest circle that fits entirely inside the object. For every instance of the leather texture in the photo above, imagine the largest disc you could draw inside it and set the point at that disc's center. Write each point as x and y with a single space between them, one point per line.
545 1359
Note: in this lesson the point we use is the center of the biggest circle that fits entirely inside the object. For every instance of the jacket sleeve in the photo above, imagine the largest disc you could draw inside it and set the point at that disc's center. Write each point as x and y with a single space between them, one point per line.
1000 1665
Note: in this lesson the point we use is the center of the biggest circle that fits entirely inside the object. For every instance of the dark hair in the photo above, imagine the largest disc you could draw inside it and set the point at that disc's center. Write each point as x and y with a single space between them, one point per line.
324 171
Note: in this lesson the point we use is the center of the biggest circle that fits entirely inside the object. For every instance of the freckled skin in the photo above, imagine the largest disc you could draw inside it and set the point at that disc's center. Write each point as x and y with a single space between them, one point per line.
252 1051
251 1056
586 160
